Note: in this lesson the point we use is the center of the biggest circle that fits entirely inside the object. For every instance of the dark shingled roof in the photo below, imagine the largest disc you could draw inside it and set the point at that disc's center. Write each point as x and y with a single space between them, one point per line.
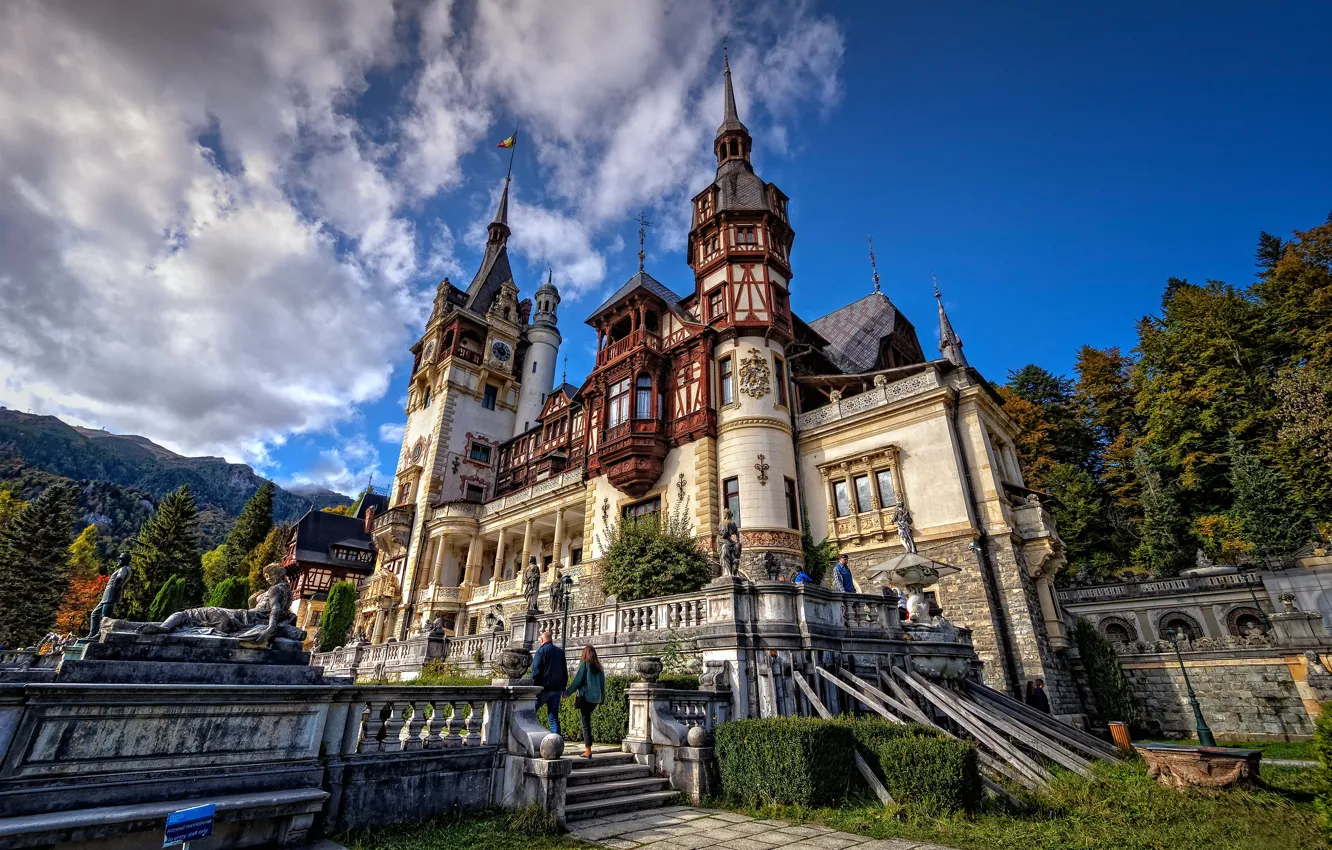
855 331
643 280
568 389
489 278
739 188
318 530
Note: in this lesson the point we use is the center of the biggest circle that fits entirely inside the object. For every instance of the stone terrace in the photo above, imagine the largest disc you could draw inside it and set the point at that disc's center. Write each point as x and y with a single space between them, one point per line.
687 828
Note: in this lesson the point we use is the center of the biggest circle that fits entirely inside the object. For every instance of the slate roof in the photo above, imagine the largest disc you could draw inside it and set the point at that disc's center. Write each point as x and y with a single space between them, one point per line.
643 280
568 389
739 188
318 530
854 332
489 278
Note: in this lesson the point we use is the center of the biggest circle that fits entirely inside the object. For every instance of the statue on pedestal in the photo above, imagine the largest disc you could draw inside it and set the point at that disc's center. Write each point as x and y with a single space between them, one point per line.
556 590
902 519
257 628
110 596
532 585
728 544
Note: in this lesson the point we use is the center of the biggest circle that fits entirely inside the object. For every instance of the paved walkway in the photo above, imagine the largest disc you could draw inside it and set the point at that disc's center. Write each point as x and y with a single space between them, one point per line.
687 828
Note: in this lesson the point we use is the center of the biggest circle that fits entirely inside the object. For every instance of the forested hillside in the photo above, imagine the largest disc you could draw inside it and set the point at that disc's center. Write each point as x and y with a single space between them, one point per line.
119 479
1214 433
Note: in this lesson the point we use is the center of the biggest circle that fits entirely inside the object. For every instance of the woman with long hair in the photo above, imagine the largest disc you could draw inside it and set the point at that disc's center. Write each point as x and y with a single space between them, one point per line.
590 685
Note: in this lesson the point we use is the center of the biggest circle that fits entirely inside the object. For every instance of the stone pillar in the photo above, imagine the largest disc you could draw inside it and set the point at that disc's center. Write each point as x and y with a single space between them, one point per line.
472 569
556 556
499 558
527 548
441 547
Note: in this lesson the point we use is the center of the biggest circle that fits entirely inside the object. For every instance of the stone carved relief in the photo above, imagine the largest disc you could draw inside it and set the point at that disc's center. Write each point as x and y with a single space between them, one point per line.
755 375
762 467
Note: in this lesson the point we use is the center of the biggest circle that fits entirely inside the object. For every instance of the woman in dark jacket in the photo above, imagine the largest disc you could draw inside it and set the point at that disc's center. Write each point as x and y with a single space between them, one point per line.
590 685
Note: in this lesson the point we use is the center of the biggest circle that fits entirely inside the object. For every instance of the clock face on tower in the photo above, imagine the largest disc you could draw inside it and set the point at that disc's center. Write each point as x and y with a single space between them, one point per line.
501 351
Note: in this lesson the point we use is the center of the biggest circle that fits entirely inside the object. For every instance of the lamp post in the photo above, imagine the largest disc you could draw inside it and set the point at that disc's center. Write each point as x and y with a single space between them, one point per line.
1204 731
566 593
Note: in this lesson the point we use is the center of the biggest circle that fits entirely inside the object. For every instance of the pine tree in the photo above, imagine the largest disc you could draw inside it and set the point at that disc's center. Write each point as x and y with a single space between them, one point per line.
216 566
86 583
273 550
10 507
252 526
34 565
1269 252
1297 296
1267 517
1161 548
230 593
168 600
336 619
168 545
1080 517
1071 441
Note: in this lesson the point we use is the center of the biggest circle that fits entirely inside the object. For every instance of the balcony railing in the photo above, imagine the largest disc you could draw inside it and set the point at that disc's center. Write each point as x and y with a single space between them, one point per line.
620 347
1165 587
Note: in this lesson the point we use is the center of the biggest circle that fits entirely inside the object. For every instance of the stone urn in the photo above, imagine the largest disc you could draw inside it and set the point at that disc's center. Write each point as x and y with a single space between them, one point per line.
915 573
648 668
515 661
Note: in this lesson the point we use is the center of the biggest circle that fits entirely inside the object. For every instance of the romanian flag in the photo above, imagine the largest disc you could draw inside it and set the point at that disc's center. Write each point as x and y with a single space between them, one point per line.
509 142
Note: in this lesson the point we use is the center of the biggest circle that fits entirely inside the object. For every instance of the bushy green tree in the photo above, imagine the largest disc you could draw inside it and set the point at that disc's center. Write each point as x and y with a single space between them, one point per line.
251 529
273 550
34 565
1268 518
337 617
646 557
216 566
169 599
231 592
168 545
1105 676
1162 537
1081 519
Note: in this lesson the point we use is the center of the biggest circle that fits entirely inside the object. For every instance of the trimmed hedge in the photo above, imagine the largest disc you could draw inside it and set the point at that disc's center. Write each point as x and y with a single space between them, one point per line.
610 722
794 761
1323 746
786 760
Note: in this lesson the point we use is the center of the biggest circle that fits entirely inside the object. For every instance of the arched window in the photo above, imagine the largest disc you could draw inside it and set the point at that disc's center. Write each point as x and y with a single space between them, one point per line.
643 398
1118 630
1186 626
1245 621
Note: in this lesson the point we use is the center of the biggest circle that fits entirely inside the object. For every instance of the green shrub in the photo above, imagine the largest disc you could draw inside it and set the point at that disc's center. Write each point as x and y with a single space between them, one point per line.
169 599
872 732
931 771
786 760
437 671
337 617
1105 677
1323 746
610 722
232 592
649 557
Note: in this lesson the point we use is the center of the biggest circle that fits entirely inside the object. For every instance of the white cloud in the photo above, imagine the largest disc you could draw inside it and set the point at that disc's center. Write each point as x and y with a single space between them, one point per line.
391 432
346 468
204 238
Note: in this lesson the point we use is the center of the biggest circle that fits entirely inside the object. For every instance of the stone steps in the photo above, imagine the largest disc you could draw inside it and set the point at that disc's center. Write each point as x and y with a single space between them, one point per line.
612 783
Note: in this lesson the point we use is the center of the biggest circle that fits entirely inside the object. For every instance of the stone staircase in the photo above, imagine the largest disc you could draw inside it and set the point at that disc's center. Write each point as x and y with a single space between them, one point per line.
611 783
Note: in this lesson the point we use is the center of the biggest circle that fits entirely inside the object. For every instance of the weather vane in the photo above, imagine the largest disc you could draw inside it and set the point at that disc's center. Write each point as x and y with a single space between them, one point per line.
643 225
873 263
935 278
564 376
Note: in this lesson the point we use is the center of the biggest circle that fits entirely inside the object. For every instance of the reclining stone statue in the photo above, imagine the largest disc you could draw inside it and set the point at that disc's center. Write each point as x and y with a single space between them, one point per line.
258 627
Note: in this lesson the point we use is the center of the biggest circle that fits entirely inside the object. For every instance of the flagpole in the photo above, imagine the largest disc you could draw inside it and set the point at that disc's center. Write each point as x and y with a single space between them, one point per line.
512 150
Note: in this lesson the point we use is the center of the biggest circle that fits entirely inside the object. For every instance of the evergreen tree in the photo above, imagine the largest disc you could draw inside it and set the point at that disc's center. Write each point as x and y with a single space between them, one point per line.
1161 547
230 593
10 507
1267 518
167 546
86 583
337 617
1071 441
1269 252
34 565
254 522
168 600
216 566
1297 296
1082 522
273 550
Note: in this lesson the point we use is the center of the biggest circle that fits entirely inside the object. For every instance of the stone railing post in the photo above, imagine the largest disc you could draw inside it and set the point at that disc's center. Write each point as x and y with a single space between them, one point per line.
534 768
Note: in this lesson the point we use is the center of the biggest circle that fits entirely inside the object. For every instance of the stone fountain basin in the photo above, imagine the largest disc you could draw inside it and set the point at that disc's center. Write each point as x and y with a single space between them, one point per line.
1185 766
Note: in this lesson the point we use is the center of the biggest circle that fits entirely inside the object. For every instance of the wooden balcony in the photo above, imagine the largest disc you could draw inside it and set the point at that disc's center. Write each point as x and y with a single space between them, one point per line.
393 529
633 453
621 347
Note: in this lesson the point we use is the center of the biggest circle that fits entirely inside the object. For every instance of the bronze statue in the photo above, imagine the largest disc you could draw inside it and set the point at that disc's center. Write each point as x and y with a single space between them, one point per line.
111 595
728 544
556 589
257 627
532 585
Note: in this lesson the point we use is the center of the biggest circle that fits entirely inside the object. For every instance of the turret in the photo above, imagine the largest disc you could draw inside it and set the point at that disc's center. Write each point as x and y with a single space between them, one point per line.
950 344
543 346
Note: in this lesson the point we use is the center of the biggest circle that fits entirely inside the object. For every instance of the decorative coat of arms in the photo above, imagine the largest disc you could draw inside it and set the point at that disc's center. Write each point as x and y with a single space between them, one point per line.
754 374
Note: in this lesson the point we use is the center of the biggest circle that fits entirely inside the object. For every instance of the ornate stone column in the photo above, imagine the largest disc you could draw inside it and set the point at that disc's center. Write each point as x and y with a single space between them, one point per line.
472 568
441 547
555 555
499 558
527 548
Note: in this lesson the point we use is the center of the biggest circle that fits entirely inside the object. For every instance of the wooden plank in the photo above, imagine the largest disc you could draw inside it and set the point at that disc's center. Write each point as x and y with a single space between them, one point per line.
872 703
1014 757
913 710
1026 736
865 770
1071 735
887 701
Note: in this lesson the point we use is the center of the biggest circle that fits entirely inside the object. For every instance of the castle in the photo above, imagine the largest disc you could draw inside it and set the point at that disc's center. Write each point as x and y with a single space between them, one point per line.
720 398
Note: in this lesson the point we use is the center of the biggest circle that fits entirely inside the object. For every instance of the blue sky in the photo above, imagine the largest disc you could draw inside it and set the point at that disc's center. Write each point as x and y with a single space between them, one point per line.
1052 165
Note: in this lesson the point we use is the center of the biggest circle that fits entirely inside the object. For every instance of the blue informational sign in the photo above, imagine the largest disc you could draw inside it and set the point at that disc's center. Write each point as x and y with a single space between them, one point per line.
189 824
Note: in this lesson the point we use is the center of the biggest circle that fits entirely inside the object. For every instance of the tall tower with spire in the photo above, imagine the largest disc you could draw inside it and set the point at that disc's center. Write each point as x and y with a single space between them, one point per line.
740 249
950 345
543 345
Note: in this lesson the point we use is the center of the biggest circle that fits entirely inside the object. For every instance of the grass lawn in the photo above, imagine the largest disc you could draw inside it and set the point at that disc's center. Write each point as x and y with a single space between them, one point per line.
474 831
1120 809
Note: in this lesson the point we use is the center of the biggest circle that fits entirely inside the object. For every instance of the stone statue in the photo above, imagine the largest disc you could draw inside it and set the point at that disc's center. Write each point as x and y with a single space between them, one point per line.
359 639
437 627
532 585
110 596
728 544
771 568
902 519
258 628
556 590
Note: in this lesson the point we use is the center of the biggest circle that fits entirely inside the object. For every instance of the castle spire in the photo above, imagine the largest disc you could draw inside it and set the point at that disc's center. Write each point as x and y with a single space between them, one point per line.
873 263
499 228
733 140
950 345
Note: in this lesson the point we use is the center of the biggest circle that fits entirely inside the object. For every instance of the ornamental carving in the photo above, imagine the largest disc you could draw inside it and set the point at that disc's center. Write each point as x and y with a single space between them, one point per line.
762 538
755 375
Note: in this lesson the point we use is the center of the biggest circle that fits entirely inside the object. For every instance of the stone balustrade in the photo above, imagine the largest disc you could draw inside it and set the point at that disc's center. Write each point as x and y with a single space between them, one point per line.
879 396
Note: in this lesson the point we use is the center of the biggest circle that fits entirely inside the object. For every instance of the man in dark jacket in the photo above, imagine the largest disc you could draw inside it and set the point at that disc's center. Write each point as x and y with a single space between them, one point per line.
551 674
